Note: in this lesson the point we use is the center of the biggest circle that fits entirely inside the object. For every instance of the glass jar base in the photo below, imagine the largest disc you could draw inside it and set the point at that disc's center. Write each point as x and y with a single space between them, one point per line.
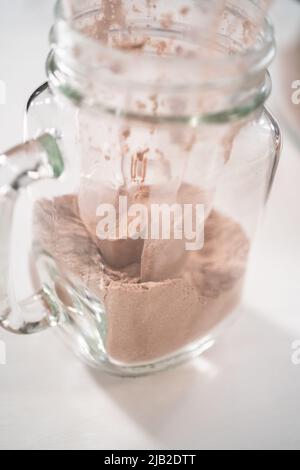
190 352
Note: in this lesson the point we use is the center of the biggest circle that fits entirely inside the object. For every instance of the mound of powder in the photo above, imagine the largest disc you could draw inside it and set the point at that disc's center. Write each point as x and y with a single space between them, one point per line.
149 320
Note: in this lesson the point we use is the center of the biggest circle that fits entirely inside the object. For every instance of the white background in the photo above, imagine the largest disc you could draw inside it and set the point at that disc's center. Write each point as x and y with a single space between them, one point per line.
244 393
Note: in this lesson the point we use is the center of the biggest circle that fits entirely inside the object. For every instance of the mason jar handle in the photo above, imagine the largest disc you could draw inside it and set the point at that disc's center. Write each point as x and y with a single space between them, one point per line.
19 168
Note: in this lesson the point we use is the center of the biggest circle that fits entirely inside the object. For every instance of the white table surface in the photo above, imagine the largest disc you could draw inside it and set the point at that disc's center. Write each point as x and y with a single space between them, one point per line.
244 393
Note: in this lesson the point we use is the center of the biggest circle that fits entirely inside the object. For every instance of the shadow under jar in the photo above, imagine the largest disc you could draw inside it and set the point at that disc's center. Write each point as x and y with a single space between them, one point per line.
147 106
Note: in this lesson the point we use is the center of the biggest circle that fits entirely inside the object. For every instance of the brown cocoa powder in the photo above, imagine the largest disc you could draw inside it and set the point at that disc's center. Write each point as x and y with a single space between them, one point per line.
149 320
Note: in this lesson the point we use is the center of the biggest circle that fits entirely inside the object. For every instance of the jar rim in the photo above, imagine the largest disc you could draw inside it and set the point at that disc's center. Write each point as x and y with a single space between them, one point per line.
255 59
79 74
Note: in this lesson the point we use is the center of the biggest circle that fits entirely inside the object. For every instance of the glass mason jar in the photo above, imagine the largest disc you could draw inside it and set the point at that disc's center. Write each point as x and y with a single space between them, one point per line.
147 106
